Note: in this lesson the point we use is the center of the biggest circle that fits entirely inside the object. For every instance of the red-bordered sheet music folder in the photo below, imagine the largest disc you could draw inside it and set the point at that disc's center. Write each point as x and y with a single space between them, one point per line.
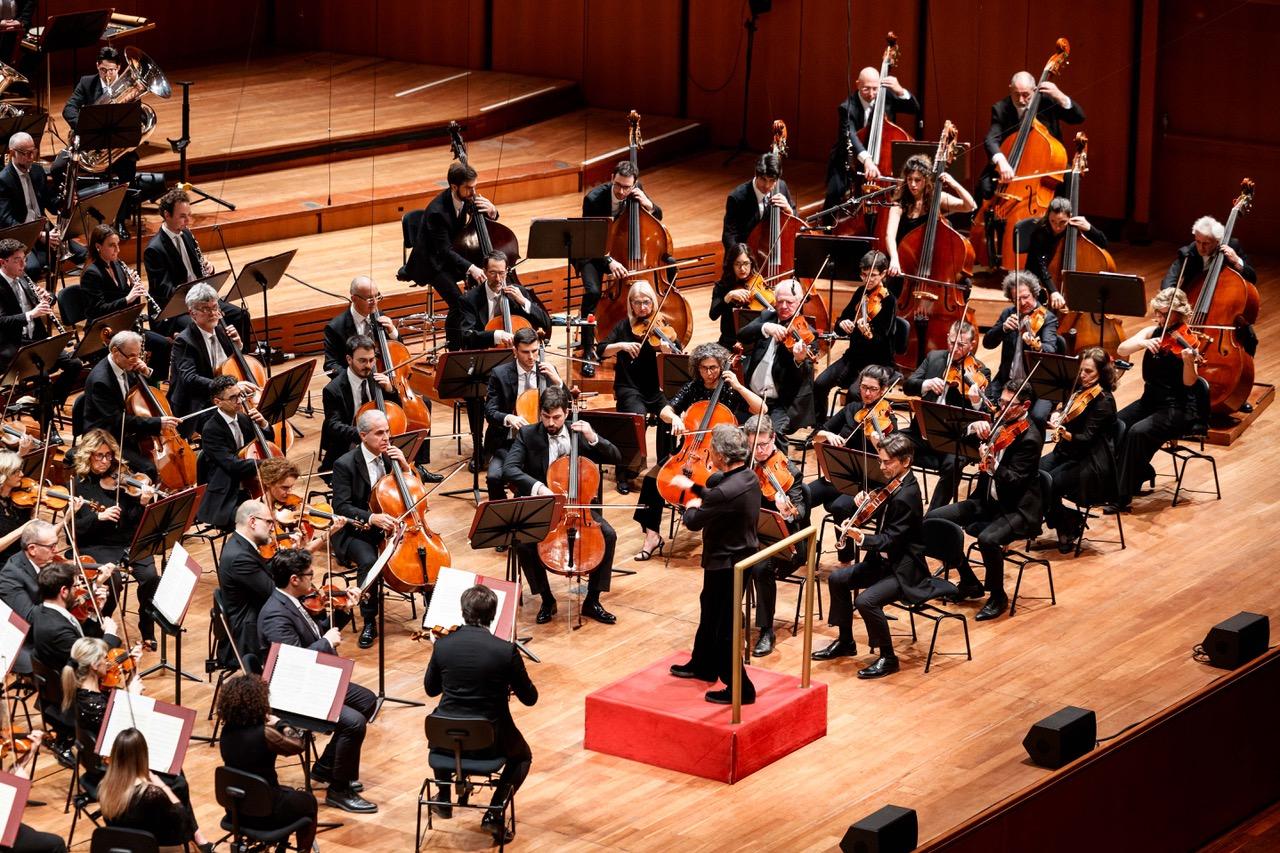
177 585
307 682
14 791
166 727
445 609
13 633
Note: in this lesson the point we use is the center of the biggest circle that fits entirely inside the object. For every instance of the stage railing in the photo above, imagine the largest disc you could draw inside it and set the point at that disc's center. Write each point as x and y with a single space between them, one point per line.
811 565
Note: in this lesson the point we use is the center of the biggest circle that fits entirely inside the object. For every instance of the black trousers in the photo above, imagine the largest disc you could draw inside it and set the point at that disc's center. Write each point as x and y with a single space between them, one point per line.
144 573
764 584
30 840
629 399
993 531
1065 474
509 742
712 658
362 549
841 373
651 506
591 279
1148 428
493 479
451 293
341 756
598 580
839 505
879 587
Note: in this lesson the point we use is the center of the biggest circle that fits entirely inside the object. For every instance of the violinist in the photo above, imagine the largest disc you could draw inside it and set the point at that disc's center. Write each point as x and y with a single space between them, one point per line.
1046 237
110 285
712 365
853 114
18 587
87 679
772 466
278 476
1168 402
867 323
536 447
780 368
1206 242
913 201
1024 326
892 568
198 351
1082 463
1006 502
1056 109
26 311
356 320
507 382
731 292
607 200
105 391
54 627
284 620
748 202
221 468
29 840
13 518
345 394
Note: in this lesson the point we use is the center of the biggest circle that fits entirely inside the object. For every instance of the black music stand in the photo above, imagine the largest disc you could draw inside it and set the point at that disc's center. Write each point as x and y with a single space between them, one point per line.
771 527
33 123
946 430
27 233
674 371
282 395
177 304
101 208
258 277
464 375
119 321
110 128
1106 293
574 239
33 362
71 31
624 430
1055 377
409 442
842 257
848 469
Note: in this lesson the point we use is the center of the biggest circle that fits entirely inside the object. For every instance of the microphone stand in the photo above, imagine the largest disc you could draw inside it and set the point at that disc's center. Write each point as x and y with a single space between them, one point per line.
179 147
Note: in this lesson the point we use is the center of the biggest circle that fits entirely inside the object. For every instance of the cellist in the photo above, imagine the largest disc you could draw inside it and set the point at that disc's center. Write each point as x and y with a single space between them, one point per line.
748 202
1206 236
105 391
535 448
345 394
508 382
1056 109
198 351
852 116
1046 237
225 432
356 320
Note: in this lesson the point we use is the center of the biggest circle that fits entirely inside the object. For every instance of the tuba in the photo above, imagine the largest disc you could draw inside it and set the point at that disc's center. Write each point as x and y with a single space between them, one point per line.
9 76
139 76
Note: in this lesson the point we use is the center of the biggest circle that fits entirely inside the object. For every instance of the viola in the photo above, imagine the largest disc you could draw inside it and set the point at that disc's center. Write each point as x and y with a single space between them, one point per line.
869 308
174 460
329 596
875 420
120 668
484 235
657 331
999 442
132 483
575 546
421 552
867 509
17 745
1031 324
1178 339
693 459
1074 408
775 476
968 373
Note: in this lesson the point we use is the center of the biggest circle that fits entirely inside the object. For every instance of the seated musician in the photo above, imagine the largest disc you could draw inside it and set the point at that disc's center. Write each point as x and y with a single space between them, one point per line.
28 839
88 91
731 292
748 202
105 391
1206 242
18 587
637 387
711 364
913 201
1082 463
13 518
1056 109
106 532
781 374
892 567
109 286
54 628
1014 333
535 448
133 796
850 163
173 257
345 394
1045 240
1005 505
26 311
199 351
225 432
607 200
355 320
26 192
870 338
1168 403
284 620
474 673
506 383
793 505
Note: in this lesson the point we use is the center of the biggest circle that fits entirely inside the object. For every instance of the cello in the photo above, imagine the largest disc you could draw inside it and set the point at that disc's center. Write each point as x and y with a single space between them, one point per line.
172 456
1038 160
244 368
693 459
1222 299
934 259
1077 253
484 235
575 546
420 553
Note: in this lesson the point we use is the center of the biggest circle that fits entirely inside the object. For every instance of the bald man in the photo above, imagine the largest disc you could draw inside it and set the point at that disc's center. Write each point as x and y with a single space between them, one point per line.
851 116
26 192
356 320
1055 109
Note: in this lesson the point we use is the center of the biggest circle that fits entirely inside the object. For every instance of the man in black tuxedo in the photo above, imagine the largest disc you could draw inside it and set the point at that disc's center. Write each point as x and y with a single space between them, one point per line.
356 320
781 375
1055 110
849 157
1207 234
220 467
26 192
747 203
105 389
18 585
1012 334
283 620
535 448
725 511
474 672
243 577
198 351
345 394
91 87
607 200
24 314
506 383
1005 504
54 628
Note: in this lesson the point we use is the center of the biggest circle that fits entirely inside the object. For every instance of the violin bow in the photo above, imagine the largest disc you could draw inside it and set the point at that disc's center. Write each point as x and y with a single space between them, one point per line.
1168 315
120 458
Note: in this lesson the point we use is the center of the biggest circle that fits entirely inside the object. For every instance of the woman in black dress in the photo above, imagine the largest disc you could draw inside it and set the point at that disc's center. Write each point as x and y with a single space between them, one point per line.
13 518
912 201
132 796
731 292
106 282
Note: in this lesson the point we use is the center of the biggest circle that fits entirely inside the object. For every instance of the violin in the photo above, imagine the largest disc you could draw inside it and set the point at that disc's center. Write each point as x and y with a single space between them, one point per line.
421 552
693 459
133 484
321 599
1074 408
484 235
775 477
875 420
1031 325
17 745
174 460
1175 340
656 330
121 666
867 509
968 373
1000 441
28 492
869 308
575 546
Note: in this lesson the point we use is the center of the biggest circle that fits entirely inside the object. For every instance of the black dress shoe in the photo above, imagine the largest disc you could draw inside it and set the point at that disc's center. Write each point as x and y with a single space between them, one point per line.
624 486
593 610
588 370
547 611
882 667
968 591
725 697
349 801
686 670
324 776
836 649
764 645
368 635
992 609
442 812
502 834
429 476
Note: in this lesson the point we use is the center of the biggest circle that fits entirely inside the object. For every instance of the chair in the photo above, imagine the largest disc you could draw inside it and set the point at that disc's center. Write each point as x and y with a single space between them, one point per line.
944 541
83 791
74 303
901 334
1196 431
49 700
448 739
1085 511
1022 559
247 795
114 839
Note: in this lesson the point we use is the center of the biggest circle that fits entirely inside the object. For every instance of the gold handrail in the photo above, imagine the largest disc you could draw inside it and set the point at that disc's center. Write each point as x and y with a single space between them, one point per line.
810 533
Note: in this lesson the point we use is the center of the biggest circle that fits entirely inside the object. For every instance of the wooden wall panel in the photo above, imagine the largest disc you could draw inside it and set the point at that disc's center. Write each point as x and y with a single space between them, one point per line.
633 55
539 38
440 32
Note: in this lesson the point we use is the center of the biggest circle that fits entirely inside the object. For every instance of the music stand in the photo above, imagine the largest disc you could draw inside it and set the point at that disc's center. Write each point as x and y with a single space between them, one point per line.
624 430
1107 293
33 362
27 233
33 123
410 442
902 150
848 469
71 31
946 430
258 277
1056 376
119 321
91 211
675 372
177 304
464 375
579 238
282 395
110 128
771 527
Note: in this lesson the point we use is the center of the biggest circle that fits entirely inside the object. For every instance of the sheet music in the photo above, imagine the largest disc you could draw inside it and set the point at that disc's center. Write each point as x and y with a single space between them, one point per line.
375 571
302 685
445 609
173 595
13 632
160 726
13 802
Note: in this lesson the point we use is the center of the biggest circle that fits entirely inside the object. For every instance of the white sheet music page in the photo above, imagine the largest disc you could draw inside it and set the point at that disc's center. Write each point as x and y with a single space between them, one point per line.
445 609
13 802
160 726
301 685
13 630
173 595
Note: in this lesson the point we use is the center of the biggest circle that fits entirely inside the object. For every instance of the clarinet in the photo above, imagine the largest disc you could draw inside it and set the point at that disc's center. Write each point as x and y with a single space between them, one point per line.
135 281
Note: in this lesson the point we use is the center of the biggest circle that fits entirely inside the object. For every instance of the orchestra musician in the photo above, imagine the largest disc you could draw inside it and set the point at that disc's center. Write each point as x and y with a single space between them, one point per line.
870 338
474 673
54 628
607 200
1047 236
747 203
18 587
198 351
110 286
1168 402
27 839
24 309
1006 502
731 292
133 796
793 505
12 517
1056 109
726 512
781 374
710 364
535 448
1082 463
345 394
852 115
1206 241
105 391
284 620
914 199
226 430
26 192
1014 333
356 320
88 91
507 382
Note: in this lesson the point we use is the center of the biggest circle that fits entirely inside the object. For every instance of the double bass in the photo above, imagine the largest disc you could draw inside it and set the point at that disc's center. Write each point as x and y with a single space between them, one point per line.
482 236
1038 160
575 546
1222 299
421 552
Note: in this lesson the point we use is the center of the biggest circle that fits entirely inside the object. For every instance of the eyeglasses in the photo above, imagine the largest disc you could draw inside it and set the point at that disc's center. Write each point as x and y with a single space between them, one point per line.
25 152
872 388
104 455
260 518
49 545
214 309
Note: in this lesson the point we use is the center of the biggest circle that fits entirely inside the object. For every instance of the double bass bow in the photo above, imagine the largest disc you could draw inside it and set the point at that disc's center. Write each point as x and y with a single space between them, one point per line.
484 235
575 546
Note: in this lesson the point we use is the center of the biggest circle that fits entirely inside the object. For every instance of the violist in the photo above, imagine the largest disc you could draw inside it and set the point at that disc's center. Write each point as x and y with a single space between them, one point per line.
867 322
780 367
1024 326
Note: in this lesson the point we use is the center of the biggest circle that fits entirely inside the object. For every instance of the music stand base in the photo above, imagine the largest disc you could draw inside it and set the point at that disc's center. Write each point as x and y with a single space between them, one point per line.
383 698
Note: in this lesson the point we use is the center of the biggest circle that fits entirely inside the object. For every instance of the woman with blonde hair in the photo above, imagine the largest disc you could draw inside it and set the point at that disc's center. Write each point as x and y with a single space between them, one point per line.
13 518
